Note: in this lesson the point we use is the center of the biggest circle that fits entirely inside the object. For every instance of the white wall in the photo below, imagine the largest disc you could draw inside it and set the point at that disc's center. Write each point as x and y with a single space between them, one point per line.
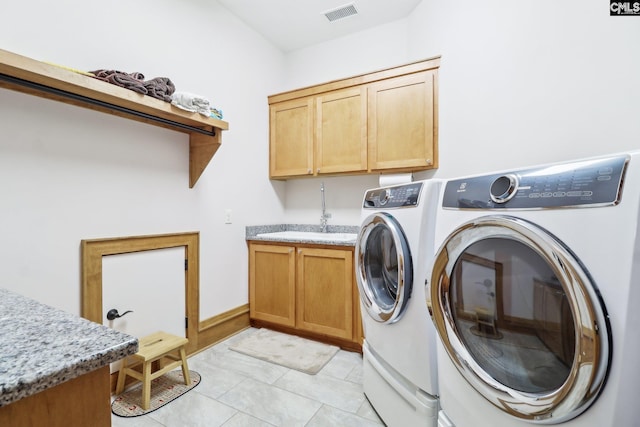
530 82
521 83
69 174
359 53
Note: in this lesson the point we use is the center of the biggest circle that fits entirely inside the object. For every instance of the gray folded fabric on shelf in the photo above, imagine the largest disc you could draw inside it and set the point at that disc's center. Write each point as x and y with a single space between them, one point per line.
131 81
160 87
191 102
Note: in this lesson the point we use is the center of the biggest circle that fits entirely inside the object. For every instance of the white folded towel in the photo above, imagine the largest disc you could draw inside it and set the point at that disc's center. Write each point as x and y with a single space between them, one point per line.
191 102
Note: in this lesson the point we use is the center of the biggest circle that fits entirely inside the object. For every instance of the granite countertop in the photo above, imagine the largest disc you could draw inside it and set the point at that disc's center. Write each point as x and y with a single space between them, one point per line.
41 347
252 233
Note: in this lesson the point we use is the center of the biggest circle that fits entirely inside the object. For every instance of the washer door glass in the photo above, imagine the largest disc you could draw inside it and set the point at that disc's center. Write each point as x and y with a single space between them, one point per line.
384 269
520 318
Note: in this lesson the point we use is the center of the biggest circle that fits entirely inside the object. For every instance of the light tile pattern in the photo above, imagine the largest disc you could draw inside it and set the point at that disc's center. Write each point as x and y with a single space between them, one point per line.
238 390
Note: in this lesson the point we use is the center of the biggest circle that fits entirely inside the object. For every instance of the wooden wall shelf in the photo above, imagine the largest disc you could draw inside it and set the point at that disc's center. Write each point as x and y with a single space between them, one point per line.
49 81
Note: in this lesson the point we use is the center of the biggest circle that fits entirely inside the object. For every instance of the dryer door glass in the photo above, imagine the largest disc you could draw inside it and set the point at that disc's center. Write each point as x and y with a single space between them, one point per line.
513 315
384 269
520 318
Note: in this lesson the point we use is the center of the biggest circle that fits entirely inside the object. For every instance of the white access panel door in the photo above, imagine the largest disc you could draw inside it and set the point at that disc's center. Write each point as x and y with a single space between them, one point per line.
149 283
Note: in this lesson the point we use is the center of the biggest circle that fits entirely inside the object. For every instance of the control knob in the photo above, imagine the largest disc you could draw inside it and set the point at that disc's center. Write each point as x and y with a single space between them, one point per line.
385 195
504 188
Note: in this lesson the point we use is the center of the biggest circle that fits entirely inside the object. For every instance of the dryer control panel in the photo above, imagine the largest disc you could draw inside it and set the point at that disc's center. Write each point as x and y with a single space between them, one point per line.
398 196
592 182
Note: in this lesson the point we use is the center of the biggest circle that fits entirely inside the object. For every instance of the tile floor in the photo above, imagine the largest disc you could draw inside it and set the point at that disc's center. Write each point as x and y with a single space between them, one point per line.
238 390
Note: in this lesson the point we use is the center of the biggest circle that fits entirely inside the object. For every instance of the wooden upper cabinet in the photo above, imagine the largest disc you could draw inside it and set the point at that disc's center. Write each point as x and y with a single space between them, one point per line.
402 123
385 121
341 131
291 138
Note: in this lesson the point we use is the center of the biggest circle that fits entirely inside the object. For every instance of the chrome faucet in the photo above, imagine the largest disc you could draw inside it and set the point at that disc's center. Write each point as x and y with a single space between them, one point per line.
325 215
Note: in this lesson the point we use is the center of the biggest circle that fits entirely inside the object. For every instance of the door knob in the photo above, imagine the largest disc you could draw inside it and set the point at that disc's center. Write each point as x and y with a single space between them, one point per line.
113 314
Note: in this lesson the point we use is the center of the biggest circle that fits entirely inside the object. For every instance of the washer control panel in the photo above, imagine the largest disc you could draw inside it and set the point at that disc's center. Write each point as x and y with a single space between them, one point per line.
397 196
596 182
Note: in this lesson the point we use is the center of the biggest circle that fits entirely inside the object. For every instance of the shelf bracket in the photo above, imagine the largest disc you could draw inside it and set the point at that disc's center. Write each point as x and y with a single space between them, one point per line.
201 150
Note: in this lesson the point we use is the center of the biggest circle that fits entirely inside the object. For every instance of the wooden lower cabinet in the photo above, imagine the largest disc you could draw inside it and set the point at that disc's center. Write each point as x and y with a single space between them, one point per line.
305 289
272 284
324 291
82 401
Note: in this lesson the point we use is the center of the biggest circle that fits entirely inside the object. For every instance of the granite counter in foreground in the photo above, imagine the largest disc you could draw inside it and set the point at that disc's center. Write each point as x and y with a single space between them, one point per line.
41 346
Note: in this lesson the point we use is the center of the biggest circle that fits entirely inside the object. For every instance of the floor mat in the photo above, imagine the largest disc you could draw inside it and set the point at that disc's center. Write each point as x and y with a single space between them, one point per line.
164 389
286 350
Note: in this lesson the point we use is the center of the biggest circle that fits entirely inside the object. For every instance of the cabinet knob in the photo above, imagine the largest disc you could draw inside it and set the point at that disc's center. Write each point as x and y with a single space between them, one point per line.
318 170
309 171
429 162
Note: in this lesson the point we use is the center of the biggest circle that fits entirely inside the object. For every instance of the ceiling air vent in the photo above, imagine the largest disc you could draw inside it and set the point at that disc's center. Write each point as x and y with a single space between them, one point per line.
341 12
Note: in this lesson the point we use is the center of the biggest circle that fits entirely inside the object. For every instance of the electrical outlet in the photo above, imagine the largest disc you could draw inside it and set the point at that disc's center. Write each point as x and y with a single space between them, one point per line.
227 216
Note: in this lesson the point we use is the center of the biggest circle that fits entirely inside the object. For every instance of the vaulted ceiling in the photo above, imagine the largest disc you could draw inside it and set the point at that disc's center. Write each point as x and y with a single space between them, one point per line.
294 24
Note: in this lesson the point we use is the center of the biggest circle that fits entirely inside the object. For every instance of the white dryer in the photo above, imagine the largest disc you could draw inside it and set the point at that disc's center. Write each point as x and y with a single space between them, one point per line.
535 293
393 248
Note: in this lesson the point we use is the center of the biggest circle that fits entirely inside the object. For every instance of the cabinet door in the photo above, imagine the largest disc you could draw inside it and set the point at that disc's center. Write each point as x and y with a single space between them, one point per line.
272 283
325 291
402 126
341 131
291 138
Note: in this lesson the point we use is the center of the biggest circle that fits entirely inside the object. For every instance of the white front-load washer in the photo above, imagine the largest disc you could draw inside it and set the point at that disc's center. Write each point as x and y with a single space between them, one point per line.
535 294
393 248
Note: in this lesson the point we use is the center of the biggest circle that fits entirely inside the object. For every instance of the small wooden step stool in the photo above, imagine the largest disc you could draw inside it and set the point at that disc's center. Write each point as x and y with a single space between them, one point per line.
485 320
151 348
